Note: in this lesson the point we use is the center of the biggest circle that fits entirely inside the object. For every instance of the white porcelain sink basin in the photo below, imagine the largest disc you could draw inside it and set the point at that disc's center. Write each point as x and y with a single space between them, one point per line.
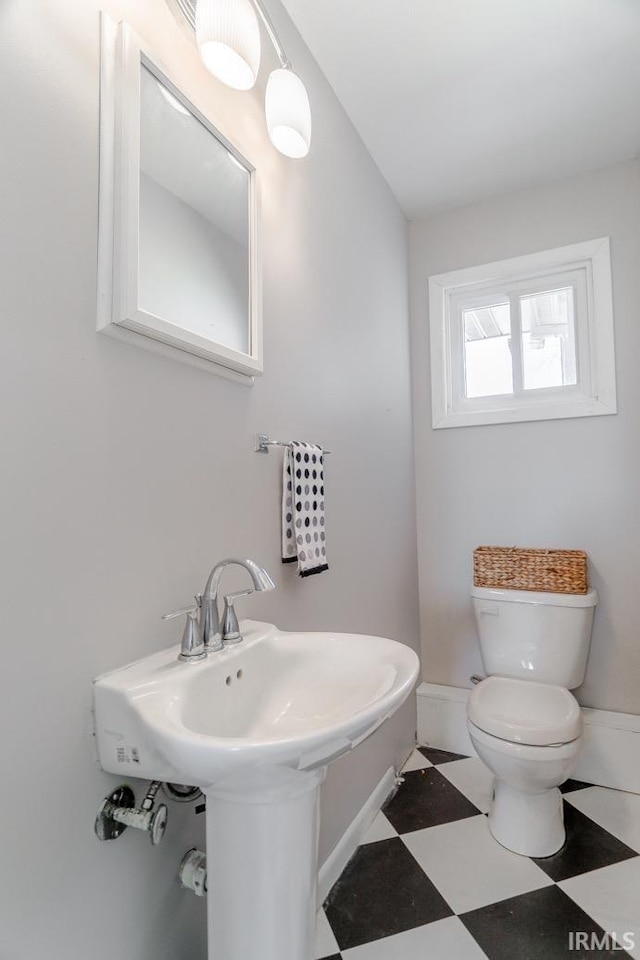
287 699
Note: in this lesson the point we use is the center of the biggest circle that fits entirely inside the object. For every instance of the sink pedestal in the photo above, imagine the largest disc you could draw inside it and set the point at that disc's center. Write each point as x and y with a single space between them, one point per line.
262 864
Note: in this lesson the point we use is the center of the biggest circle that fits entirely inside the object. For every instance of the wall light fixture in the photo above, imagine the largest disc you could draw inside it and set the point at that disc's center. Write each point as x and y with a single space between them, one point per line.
228 37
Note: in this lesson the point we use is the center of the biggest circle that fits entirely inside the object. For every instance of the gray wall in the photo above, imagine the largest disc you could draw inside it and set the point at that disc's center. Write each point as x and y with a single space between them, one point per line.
562 483
126 475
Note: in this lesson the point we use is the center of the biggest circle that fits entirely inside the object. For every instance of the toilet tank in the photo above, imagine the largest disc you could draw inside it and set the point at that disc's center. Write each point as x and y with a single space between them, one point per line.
534 636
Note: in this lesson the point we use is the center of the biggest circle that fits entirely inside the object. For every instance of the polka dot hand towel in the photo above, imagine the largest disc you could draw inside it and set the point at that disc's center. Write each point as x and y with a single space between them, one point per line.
303 514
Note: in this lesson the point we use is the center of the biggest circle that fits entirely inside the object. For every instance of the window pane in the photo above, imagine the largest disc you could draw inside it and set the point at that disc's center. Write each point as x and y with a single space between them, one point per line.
488 369
548 339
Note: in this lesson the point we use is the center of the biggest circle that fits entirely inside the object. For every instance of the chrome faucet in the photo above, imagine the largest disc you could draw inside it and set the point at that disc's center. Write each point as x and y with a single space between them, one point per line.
210 631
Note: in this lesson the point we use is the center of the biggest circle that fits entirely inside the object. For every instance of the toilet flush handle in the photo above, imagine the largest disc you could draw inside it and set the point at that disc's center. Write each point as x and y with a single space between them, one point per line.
490 610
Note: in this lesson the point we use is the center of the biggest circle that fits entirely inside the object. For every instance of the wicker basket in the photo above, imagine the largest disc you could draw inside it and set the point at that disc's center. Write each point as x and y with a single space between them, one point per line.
548 571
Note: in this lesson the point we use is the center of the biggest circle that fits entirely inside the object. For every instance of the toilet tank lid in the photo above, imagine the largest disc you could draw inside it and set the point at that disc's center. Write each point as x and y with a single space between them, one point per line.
588 599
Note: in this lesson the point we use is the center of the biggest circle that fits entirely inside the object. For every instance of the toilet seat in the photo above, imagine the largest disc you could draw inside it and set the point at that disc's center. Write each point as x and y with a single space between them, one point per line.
523 752
522 711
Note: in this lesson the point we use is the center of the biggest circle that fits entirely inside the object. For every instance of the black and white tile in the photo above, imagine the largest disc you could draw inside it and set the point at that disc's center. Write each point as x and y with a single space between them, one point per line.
430 881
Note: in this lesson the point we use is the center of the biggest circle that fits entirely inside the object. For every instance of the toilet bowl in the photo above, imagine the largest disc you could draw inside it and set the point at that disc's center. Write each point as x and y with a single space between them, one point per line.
529 735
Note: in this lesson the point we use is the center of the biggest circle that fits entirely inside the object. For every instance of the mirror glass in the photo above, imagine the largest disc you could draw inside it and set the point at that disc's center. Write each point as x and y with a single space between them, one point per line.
193 249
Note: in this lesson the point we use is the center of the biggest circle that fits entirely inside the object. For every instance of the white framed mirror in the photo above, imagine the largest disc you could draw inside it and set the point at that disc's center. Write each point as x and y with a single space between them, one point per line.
179 212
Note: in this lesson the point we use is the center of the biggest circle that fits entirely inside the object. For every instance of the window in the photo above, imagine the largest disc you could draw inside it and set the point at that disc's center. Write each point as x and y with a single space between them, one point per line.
529 338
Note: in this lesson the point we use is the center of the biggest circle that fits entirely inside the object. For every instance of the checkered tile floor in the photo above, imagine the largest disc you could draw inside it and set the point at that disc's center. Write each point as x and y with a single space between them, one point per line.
431 883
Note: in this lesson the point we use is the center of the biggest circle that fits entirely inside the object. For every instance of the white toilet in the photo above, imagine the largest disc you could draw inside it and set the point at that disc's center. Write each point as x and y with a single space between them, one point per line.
523 722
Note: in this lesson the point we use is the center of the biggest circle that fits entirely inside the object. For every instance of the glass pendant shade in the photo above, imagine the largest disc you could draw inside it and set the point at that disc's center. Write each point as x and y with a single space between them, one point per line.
288 114
228 38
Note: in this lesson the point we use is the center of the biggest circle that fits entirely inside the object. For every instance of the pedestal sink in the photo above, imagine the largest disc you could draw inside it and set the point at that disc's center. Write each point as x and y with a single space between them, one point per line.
254 726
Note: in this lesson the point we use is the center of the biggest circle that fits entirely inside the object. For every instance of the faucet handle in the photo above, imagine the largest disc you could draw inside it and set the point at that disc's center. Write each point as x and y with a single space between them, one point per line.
183 611
191 646
230 626
230 598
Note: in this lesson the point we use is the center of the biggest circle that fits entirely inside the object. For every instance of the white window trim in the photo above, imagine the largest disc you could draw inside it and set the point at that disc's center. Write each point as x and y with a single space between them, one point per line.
596 392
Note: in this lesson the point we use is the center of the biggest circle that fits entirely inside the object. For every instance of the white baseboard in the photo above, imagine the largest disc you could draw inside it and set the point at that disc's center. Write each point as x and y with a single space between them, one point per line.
353 836
610 755
442 718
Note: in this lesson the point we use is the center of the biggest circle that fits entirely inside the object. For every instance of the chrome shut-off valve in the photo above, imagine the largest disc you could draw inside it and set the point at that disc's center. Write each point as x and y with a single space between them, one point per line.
118 811
192 872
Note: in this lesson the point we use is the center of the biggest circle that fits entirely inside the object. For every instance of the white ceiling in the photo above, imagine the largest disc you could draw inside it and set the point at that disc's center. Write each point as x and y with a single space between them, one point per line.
457 100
